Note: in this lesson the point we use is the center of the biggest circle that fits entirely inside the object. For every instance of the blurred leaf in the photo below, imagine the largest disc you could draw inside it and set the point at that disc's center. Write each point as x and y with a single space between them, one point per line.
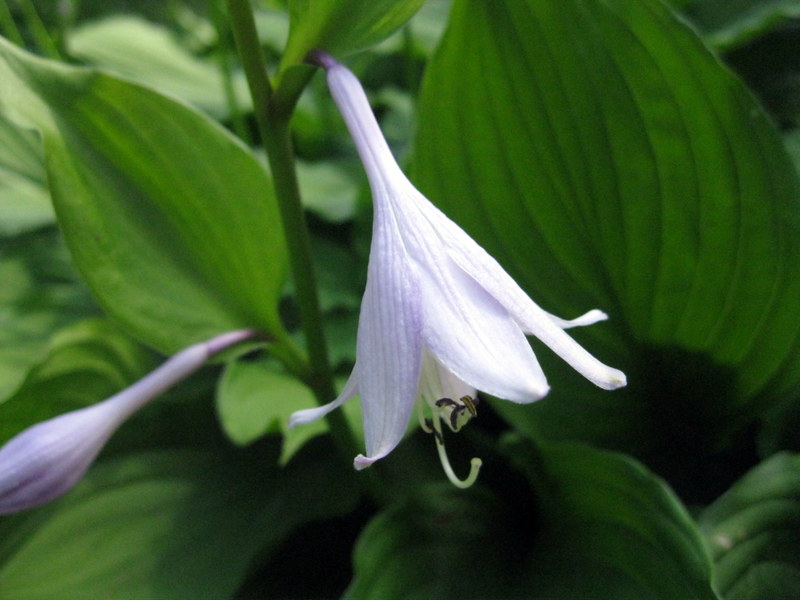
729 24
149 54
24 199
40 292
605 528
608 160
753 532
169 218
327 191
180 524
85 363
342 27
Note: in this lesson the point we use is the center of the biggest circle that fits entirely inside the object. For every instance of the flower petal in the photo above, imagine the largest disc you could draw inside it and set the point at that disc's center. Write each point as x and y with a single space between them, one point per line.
488 273
473 336
389 351
309 415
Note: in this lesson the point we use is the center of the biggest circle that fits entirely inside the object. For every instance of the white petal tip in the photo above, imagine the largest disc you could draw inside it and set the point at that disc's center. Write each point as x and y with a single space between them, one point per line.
614 379
361 462
590 318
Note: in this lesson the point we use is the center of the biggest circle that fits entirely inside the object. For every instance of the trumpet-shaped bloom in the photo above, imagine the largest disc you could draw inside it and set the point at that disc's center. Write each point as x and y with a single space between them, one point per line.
46 460
439 316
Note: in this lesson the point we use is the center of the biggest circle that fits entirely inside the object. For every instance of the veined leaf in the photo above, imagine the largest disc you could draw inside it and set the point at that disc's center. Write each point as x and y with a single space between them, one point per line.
169 218
607 159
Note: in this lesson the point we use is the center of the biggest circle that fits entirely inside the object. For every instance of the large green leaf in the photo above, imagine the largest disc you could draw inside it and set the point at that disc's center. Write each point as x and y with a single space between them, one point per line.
167 524
753 531
342 26
599 526
169 218
608 160
85 363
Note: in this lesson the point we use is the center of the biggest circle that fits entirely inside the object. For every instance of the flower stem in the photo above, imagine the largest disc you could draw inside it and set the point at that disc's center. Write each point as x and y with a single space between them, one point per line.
273 124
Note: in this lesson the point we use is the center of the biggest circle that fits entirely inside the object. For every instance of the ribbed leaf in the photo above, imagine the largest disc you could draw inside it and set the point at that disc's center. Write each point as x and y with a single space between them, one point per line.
598 526
168 217
753 531
608 160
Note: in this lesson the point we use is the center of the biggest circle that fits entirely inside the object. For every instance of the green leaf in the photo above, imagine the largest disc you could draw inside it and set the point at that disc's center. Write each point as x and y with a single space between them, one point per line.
169 218
607 159
753 532
342 27
254 397
85 363
40 293
600 526
729 24
24 199
147 53
167 524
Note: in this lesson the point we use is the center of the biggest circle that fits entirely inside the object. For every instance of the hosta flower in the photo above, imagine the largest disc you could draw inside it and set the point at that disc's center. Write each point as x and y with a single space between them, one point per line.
46 460
440 318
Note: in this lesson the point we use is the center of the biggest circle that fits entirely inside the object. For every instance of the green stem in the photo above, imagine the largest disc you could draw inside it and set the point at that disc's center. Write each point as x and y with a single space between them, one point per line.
226 70
274 128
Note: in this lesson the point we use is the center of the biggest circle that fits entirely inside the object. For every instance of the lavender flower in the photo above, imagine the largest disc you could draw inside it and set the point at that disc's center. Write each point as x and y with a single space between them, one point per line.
440 317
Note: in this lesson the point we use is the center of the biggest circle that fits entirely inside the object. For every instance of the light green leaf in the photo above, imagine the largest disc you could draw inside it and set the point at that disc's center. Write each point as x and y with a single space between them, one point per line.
24 199
608 160
85 363
168 524
254 397
147 53
753 532
598 526
342 27
168 217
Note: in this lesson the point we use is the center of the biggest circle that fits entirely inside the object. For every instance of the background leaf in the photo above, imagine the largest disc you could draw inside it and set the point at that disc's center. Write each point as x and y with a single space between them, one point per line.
597 526
342 26
40 292
85 363
607 159
169 218
753 531
148 53
24 199
167 524
729 24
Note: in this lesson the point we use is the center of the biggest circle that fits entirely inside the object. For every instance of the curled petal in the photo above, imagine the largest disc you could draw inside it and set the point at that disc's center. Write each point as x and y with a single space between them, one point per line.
309 415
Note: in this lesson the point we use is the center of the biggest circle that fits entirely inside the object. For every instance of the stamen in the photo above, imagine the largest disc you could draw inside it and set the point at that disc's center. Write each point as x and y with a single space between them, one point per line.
475 463
424 424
